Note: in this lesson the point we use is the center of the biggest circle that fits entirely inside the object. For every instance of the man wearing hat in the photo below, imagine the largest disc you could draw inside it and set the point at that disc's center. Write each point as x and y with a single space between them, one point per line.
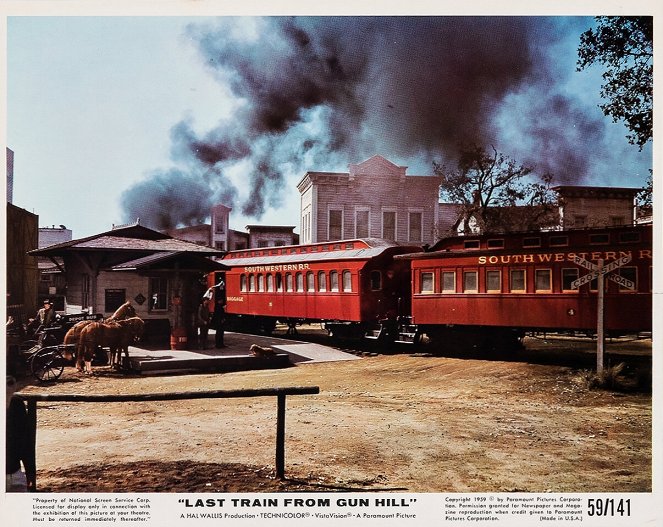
46 315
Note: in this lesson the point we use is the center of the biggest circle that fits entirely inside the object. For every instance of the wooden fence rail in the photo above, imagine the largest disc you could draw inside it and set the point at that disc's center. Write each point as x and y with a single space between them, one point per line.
280 393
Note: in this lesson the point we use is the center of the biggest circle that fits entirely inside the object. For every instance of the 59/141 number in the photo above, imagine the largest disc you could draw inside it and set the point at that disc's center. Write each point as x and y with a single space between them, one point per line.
608 507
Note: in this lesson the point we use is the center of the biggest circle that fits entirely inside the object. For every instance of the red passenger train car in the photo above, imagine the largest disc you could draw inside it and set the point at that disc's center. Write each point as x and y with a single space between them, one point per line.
348 285
490 289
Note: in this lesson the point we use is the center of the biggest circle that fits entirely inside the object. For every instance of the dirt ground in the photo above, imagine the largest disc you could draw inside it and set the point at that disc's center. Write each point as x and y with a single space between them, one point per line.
387 422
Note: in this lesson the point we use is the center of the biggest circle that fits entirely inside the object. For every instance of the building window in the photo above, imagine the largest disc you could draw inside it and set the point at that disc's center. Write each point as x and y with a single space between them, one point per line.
347 282
427 282
220 224
542 280
617 220
158 293
362 227
114 298
333 280
448 282
415 226
322 281
335 225
517 281
389 225
493 281
221 246
85 291
579 221
569 275
376 280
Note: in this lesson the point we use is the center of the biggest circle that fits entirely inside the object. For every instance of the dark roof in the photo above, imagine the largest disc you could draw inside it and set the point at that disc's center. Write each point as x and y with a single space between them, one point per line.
131 238
164 258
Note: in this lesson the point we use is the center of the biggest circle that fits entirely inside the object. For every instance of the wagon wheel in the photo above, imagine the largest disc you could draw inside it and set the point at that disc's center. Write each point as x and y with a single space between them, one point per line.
47 364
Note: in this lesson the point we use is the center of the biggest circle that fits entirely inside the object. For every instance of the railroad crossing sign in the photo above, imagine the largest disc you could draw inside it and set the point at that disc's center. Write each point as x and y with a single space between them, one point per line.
600 272
604 270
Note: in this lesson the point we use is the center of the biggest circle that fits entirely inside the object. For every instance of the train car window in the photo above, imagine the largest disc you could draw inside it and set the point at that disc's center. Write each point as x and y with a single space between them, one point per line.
470 282
599 239
517 281
347 282
427 282
558 241
252 283
288 283
333 280
495 244
543 280
493 281
270 283
349 246
532 241
376 280
448 282
261 283
278 278
629 237
299 281
630 273
569 275
471 244
322 281
242 283
310 282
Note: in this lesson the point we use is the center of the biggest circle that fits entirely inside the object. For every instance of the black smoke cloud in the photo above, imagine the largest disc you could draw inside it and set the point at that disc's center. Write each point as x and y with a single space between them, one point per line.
318 93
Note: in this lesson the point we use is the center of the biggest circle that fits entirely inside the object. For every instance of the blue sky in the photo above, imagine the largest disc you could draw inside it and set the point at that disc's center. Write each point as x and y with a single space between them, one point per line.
99 110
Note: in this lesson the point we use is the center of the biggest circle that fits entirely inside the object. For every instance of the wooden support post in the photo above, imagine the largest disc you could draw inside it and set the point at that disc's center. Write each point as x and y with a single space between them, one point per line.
280 436
31 438
600 329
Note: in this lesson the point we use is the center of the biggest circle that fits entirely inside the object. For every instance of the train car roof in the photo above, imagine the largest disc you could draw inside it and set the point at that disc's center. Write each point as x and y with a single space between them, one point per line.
516 241
359 249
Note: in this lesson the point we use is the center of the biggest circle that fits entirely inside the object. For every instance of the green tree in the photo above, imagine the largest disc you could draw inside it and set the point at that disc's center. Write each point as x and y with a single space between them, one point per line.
495 193
624 46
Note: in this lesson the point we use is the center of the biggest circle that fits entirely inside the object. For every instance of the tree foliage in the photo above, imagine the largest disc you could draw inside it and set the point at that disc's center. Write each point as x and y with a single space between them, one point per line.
495 193
624 46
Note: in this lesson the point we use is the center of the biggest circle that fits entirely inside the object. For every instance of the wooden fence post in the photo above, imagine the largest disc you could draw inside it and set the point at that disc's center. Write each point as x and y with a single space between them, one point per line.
280 436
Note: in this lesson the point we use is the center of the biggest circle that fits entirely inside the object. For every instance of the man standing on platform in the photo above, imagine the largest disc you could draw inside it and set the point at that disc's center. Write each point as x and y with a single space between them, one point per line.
219 316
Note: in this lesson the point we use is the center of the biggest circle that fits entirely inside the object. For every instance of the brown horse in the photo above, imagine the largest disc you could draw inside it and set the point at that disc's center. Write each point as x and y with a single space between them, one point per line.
115 335
72 336
133 330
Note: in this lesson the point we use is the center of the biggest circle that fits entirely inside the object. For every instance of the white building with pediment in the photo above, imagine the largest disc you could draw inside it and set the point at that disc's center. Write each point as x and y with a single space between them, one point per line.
375 199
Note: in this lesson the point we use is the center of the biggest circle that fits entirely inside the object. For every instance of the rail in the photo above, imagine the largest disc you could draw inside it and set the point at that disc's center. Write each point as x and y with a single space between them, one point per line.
280 393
